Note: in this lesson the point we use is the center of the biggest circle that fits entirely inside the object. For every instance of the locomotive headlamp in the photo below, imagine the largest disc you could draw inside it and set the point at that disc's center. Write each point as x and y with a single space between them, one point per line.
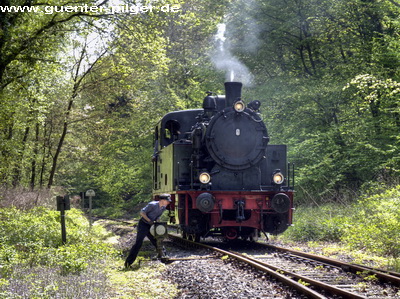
278 178
239 106
204 178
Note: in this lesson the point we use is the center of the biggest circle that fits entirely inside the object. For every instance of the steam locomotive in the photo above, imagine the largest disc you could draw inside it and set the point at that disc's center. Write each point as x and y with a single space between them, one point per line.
223 176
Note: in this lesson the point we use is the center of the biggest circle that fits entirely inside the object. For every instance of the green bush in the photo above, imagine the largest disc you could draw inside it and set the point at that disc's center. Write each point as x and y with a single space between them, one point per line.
372 224
34 237
376 224
323 223
23 229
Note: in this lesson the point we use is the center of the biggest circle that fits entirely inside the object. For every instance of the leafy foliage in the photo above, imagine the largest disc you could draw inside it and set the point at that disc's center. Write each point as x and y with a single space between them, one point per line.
34 264
145 77
327 226
329 90
136 283
375 225
371 224
34 238
81 92
81 113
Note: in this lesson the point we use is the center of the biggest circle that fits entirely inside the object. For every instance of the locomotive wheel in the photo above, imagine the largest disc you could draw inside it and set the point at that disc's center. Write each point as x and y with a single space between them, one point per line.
253 238
276 224
191 237
184 235
194 237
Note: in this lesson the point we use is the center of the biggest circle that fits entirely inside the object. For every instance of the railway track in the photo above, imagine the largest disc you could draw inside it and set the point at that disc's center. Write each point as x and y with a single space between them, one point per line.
382 275
311 275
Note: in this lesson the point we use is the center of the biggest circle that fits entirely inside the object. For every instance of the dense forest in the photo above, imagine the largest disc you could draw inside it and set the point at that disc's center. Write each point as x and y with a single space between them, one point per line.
83 83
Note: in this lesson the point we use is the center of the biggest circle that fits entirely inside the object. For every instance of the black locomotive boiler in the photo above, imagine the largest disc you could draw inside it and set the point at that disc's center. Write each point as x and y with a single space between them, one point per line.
224 177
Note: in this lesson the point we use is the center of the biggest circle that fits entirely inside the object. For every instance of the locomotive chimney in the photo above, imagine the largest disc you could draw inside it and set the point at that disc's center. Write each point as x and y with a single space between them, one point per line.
233 92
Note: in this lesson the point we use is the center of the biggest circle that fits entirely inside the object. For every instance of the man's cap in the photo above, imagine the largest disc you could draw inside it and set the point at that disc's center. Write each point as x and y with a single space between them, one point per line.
165 196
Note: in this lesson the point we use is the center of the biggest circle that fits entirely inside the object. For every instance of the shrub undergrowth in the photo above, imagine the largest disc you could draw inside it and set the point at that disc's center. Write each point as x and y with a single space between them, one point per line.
372 224
375 225
323 223
30 242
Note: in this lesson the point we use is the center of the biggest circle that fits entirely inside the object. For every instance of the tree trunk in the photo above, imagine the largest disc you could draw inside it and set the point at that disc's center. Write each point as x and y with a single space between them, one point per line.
33 164
75 90
19 160
60 144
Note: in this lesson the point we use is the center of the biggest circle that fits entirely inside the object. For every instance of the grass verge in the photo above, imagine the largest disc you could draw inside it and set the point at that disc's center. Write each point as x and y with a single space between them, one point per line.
367 231
35 264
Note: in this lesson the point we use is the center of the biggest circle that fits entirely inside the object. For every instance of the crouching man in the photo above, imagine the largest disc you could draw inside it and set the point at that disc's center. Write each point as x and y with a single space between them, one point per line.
149 214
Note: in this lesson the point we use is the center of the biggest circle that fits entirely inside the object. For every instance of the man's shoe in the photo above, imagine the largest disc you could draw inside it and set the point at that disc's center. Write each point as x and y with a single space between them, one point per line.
127 264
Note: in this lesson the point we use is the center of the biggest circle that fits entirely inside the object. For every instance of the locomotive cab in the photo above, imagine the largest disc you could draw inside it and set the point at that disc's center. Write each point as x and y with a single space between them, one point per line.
172 151
224 176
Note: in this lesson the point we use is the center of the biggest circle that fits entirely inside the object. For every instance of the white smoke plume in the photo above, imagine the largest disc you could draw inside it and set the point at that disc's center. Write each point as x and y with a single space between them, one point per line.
224 60
222 57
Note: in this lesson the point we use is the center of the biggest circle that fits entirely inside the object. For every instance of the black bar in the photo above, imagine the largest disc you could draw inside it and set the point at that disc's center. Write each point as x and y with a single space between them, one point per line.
61 201
293 175
63 229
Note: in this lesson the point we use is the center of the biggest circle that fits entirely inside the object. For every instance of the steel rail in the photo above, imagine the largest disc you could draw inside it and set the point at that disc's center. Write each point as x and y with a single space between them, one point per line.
321 285
347 267
282 275
396 274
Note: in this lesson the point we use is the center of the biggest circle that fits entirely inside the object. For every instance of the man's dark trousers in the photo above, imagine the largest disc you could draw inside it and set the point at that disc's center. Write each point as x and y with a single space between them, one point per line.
143 230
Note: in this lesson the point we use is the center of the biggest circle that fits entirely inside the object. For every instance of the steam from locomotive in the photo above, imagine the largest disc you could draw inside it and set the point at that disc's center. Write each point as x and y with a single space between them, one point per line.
224 176
224 60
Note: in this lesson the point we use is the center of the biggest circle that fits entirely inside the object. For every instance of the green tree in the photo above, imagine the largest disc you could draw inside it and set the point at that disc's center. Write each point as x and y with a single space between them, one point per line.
31 43
306 53
158 64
